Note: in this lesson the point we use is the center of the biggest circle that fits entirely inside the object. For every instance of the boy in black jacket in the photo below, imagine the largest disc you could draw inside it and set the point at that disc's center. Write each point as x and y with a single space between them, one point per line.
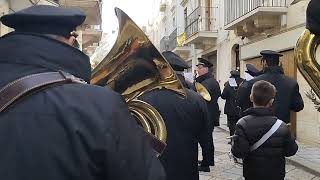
267 162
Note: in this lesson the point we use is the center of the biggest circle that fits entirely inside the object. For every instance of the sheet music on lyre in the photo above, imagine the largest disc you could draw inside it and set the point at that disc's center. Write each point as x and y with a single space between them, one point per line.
232 82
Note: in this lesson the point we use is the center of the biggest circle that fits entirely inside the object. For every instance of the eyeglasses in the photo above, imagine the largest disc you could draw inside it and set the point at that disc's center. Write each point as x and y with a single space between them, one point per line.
200 66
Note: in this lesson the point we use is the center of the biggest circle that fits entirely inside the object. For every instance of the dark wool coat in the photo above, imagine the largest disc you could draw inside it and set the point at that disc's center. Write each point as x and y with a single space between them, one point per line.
287 97
70 131
230 95
268 161
212 85
187 122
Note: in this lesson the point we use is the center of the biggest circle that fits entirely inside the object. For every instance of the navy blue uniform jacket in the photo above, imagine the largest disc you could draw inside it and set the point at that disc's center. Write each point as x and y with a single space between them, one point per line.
71 131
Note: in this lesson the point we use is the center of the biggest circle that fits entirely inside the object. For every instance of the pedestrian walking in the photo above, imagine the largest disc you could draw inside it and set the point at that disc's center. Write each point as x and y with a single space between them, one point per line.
261 139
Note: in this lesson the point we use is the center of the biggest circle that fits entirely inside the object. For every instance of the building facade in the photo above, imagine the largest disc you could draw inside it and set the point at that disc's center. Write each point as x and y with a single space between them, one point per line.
89 33
231 33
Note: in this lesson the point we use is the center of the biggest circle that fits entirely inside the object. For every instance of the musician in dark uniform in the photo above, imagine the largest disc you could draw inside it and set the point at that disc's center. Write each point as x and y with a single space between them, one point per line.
186 120
287 97
206 78
251 72
68 131
229 94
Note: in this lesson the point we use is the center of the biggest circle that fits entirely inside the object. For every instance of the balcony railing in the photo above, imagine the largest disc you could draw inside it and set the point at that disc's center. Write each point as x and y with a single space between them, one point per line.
164 43
168 43
235 9
201 19
172 42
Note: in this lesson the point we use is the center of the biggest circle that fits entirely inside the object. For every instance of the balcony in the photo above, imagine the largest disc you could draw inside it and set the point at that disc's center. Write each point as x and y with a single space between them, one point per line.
247 17
163 6
168 43
17 5
181 49
91 7
164 43
172 43
202 26
91 36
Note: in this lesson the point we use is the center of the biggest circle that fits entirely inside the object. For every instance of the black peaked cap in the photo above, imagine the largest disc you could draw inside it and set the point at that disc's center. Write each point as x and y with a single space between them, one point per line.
205 62
235 73
270 55
45 19
176 62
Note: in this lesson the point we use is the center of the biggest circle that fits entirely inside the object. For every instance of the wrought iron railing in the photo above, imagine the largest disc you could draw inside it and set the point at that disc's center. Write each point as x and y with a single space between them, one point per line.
164 43
202 19
234 9
168 43
172 42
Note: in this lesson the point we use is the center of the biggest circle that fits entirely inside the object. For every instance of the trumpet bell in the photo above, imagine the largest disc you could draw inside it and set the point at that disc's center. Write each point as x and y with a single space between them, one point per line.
202 91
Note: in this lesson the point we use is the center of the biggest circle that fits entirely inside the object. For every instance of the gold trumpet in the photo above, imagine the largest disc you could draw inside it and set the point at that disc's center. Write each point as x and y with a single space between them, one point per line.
134 67
202 91
305 55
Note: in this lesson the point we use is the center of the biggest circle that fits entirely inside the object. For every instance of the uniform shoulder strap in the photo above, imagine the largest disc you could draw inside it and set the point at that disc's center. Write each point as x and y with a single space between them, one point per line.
265 137
28 84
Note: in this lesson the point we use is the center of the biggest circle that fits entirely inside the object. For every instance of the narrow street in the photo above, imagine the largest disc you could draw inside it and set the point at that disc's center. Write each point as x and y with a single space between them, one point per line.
225 169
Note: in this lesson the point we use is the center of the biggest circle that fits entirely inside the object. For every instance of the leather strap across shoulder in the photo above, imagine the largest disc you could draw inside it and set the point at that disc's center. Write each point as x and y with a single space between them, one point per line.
27 84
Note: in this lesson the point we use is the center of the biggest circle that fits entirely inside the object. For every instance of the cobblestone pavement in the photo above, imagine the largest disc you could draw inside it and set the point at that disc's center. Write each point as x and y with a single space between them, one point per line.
225 169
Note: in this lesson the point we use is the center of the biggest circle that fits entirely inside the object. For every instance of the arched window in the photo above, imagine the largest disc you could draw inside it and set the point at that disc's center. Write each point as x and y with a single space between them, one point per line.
235 58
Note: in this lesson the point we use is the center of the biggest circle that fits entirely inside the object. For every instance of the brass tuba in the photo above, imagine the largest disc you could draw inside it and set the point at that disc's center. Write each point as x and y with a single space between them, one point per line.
306 54
134 67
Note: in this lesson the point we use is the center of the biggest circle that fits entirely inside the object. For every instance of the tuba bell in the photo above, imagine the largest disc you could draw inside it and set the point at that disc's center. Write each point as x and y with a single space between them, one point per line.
305 55
134 67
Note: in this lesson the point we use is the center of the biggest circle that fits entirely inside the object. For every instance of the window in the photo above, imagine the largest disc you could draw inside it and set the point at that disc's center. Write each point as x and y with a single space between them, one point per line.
235 57
185 18
174 22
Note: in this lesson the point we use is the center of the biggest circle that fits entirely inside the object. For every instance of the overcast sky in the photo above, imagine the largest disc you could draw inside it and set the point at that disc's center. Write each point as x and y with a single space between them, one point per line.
139 10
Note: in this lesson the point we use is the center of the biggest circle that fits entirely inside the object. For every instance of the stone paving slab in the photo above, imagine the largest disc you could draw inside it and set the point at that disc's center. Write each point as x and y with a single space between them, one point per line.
225 169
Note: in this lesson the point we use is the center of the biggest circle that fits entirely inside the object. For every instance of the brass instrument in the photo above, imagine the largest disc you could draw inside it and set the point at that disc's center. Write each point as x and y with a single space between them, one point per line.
202 90
134 67
305 55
